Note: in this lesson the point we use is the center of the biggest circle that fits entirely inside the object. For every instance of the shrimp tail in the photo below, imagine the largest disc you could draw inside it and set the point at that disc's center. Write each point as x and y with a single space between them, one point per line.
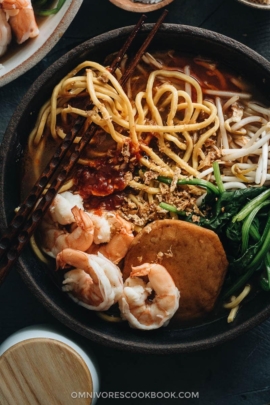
71 257
61 262
82 220
140 271
81 238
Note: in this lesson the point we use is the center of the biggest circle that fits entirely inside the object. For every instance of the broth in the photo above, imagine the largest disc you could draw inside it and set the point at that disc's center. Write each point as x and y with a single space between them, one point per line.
184 114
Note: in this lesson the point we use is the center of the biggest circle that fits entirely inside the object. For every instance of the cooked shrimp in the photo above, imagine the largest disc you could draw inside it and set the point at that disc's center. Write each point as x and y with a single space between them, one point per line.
21 19
134 305
113 235
102 233
55 239
61 207
5 33
95 283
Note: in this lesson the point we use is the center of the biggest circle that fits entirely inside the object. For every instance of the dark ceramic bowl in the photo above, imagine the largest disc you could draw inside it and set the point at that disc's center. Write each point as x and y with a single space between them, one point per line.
165 340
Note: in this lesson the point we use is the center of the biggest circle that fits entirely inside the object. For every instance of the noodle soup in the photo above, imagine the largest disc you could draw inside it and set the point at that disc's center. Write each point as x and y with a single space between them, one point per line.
179 142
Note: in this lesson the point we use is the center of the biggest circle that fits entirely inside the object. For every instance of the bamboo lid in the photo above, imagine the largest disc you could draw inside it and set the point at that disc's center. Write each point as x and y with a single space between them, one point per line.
42 371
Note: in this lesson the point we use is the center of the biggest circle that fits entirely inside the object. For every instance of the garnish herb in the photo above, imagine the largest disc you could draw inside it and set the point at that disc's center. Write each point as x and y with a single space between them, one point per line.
41 7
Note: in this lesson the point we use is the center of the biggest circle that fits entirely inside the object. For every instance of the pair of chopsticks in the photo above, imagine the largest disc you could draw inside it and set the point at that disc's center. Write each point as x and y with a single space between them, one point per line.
33 208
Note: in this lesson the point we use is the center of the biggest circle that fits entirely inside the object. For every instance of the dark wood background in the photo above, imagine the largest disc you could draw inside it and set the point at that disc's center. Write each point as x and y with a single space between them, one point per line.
235 373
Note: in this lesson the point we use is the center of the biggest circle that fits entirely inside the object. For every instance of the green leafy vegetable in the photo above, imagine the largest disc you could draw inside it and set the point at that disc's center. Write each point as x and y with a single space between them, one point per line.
218 177
241 218
265 280
248 222
251 205
225 207
42 7
194 182
171 208
238 284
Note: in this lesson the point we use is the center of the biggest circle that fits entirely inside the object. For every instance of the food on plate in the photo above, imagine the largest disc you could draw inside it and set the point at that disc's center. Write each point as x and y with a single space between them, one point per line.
18 19
192 255
174 181
20 16
5 33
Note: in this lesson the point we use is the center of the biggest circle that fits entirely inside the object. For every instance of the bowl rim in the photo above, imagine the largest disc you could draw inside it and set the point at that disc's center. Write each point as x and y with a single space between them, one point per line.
122 344
58 312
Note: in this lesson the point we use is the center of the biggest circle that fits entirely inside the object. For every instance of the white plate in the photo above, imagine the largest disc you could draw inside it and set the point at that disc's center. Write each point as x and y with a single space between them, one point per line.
255 4
20 58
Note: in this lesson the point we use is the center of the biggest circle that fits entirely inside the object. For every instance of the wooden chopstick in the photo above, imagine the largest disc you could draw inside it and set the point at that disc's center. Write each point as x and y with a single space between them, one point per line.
143 48
22 228
29 203
117 60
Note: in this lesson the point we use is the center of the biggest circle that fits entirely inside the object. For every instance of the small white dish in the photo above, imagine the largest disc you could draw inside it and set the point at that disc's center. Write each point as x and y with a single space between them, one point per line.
23 57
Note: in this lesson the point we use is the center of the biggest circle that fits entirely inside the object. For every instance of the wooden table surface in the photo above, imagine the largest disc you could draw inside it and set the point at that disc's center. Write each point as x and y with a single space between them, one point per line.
236 373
